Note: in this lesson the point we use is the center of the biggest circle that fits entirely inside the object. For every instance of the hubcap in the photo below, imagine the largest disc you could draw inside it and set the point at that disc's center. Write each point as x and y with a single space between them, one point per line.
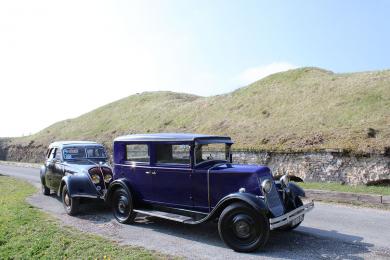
242 229
122 205
67 199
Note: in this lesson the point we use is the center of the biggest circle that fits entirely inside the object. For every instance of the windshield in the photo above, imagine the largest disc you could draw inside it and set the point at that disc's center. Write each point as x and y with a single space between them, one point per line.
212 152
89 152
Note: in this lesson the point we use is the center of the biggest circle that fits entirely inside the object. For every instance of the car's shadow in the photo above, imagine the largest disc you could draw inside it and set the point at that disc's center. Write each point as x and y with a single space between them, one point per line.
302 243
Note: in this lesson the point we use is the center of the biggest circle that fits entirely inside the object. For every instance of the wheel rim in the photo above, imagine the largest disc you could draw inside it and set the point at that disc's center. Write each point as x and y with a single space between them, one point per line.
243 230
67 200
122 207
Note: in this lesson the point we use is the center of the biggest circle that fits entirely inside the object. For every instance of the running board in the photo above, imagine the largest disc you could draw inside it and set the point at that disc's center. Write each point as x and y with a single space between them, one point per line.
166 215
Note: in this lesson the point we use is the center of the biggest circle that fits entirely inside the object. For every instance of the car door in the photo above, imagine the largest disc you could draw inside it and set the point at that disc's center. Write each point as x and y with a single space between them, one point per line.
200 190
49 164
171 173
136 168
58 169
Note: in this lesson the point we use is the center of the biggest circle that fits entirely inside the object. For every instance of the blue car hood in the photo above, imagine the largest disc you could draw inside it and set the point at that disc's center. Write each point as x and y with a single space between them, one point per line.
260 170
229 178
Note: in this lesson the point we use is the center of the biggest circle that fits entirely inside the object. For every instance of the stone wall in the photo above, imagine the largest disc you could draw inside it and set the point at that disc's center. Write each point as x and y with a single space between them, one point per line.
318 166
322 166
22 152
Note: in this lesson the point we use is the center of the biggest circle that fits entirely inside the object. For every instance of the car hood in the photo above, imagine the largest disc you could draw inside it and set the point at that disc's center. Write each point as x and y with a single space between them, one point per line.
230 178
260 170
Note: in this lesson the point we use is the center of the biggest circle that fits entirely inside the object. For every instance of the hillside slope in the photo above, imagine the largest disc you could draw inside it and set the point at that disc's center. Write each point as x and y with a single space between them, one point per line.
299 110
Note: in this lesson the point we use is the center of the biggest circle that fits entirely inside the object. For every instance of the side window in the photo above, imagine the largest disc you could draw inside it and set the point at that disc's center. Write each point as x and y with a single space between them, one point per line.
137 153
58 154
48 152
52 153
173 153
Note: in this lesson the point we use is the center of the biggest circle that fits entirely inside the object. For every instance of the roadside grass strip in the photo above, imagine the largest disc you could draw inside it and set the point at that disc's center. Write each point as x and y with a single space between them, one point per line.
27 233
379 190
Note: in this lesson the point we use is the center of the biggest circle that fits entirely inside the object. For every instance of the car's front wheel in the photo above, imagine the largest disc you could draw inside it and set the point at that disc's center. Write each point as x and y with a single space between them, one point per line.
71 205
122 206
242 228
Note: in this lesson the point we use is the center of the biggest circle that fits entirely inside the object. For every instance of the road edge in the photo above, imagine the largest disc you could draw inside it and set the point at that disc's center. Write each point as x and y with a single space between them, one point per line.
360 199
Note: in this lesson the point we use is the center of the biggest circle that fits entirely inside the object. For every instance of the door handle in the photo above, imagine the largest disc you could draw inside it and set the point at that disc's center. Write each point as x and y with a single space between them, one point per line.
151 172
154 173
147 172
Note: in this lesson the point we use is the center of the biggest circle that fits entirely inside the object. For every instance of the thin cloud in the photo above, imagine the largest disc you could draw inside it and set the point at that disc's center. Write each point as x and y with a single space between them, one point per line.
253 74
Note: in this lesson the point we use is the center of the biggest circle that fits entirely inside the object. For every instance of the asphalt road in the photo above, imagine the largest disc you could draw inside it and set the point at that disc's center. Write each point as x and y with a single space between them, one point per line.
330 231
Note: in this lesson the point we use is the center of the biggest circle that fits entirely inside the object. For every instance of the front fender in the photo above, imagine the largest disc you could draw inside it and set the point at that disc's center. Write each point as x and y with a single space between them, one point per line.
296 190
79 186
42 173
118 183
256 202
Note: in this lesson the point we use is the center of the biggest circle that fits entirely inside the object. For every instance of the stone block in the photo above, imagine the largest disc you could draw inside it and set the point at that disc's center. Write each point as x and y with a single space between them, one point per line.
331 195
386 200
374 199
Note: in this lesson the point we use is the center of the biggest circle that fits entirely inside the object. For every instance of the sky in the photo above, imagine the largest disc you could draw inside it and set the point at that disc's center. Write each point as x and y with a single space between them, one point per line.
61 59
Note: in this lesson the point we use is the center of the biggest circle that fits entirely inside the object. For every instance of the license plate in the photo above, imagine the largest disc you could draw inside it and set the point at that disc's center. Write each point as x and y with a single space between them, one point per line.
297 220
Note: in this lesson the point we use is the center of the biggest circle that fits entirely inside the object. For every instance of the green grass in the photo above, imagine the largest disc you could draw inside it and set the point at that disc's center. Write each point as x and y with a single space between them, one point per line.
380 190
27 233
306 109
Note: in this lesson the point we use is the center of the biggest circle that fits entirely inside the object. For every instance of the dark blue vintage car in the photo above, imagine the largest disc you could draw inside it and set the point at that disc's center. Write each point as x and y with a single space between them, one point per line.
75 170
190 178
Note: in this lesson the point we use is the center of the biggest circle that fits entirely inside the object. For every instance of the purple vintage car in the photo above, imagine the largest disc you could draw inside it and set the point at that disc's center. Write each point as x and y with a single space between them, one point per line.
190 178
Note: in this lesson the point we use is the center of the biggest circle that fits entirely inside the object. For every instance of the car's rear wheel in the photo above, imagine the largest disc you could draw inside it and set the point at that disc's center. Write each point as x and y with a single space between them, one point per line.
45 190
71 205
122 206
242 228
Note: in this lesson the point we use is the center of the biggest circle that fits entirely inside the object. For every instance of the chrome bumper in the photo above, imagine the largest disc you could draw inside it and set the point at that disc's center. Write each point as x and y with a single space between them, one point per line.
290 216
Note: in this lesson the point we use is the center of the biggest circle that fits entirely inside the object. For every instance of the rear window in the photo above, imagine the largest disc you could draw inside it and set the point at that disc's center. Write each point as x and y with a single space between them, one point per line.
137 153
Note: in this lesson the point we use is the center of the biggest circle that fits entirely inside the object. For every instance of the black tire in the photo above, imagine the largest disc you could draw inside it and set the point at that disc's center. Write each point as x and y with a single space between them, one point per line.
45 190
242 228
71 205
298 203
122 206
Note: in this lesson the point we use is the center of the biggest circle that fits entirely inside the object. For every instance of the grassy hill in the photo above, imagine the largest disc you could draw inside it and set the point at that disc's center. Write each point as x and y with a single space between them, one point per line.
305 109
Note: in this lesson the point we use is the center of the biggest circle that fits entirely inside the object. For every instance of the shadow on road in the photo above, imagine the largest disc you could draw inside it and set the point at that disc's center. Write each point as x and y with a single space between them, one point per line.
280 244
304 243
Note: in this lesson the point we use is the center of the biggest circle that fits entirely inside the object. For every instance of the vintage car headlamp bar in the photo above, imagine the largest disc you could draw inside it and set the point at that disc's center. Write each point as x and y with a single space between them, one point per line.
266 186
284 180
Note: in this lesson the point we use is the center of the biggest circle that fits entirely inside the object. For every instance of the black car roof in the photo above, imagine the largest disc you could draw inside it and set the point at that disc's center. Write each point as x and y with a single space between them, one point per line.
179 137
72 143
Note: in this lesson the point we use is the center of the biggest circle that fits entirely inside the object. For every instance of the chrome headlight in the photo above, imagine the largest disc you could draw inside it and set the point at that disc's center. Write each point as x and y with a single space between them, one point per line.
107 177
266 185
95 178
284 180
